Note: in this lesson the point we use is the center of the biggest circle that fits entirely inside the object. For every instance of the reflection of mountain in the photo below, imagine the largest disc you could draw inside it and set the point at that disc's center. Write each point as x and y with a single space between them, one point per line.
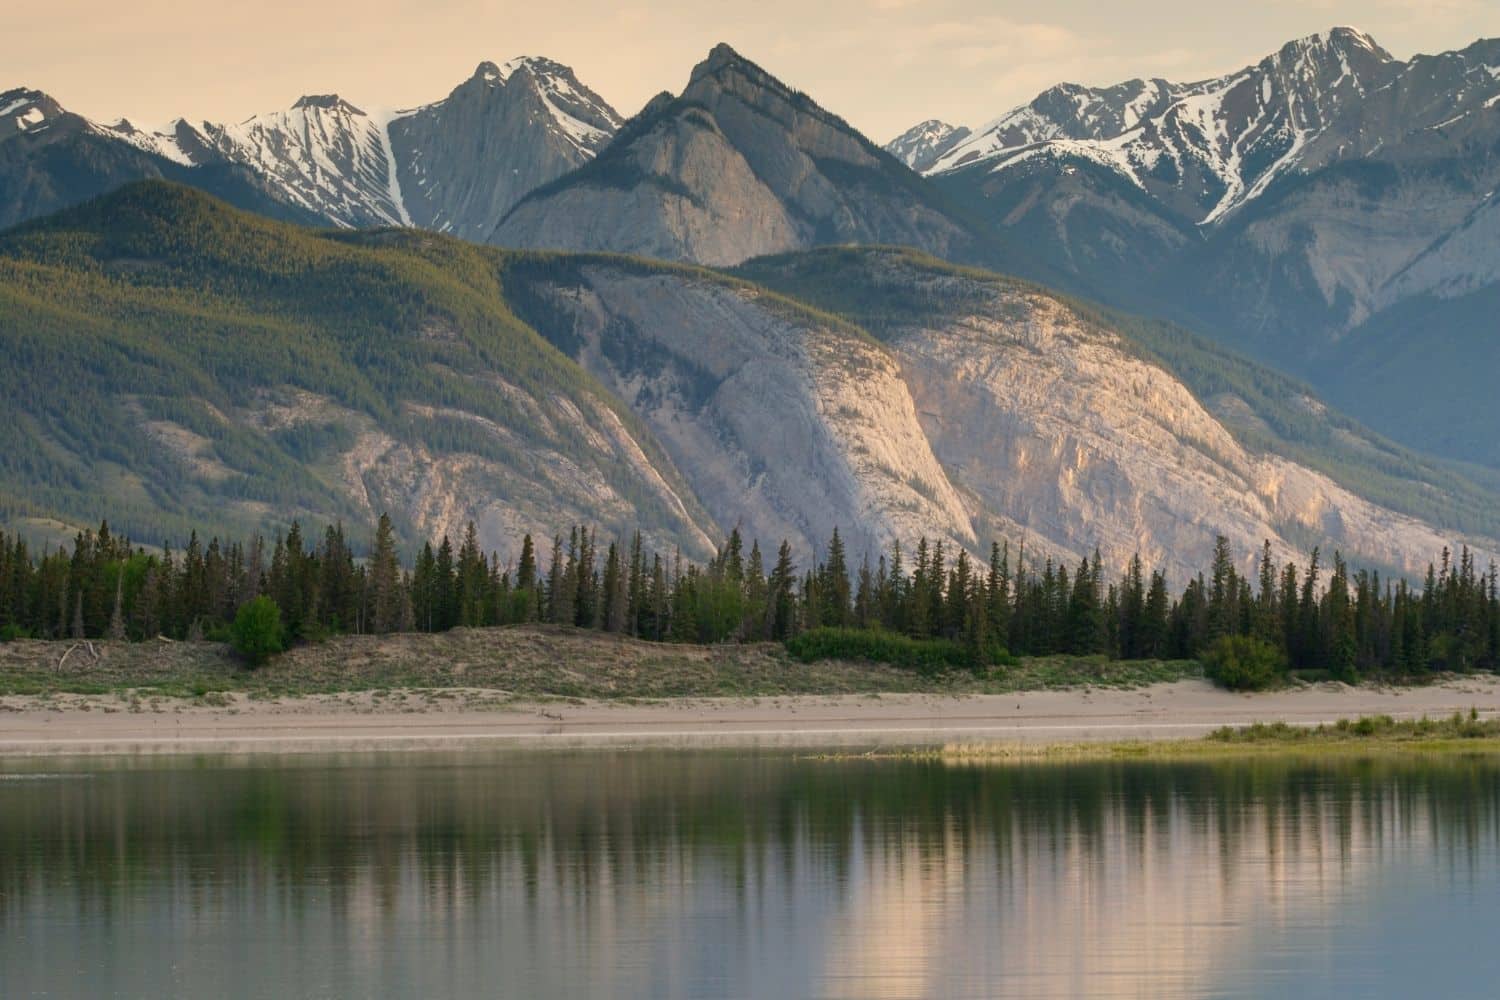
709 875
1161 901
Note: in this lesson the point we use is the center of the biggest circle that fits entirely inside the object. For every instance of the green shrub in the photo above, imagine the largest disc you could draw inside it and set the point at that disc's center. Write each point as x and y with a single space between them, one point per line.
1243 663
257 632
924 655
10 633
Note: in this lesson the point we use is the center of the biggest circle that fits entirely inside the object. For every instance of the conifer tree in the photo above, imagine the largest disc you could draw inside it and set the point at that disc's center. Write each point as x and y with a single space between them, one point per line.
616 594
833 588
781 599
385 579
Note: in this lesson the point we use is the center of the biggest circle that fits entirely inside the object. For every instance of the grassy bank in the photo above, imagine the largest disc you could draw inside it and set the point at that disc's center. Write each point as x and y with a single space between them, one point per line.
1457 733
1367 729
530 661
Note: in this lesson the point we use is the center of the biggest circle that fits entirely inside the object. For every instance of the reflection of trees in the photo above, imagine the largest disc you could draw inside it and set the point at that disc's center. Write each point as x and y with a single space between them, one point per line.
576 826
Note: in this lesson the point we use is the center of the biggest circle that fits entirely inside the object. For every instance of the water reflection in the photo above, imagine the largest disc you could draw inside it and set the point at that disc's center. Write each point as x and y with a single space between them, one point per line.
722 874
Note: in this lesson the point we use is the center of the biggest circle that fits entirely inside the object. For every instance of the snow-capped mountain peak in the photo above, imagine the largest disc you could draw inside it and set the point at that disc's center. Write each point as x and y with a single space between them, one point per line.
488 72
920 146
454 165
1206 148
23 110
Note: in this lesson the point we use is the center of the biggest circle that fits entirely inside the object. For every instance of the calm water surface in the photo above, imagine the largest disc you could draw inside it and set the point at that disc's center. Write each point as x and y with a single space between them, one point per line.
745 874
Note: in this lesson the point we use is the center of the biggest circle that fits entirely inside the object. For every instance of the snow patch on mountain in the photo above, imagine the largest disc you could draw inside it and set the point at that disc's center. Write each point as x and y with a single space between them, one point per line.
24 111
382 119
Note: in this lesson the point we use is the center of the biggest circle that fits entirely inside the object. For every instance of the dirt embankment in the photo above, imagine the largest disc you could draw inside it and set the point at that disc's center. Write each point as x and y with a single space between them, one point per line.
562 687
528 661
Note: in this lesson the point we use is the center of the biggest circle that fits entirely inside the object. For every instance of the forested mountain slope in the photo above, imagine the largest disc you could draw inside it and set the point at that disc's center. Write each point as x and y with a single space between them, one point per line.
175 362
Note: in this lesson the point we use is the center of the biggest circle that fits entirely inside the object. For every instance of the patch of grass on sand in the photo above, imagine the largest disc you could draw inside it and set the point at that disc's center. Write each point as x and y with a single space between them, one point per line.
1377 728
1367 734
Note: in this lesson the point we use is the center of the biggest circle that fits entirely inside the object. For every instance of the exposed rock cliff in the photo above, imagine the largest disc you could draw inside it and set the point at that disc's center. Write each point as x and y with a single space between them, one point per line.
1058 429
783 423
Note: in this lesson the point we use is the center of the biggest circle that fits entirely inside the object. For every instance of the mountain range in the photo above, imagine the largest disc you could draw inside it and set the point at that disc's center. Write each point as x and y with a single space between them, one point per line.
1299 209
453 166
855 361
173 373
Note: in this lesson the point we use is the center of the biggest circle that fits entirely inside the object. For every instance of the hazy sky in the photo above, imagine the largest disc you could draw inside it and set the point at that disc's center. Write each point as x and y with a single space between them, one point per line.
882 64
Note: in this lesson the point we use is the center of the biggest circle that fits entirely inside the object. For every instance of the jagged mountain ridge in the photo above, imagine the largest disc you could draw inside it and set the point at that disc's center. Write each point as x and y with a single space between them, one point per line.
51 158
1203 149
455 165
1293 209
528 392
463 162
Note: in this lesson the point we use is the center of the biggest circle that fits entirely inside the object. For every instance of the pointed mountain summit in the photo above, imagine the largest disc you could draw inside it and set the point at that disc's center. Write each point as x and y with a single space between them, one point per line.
920 146
327 102
736 166
466 160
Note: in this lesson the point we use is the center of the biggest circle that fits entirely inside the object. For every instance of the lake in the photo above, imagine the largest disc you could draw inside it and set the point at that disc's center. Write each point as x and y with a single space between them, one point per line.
747 874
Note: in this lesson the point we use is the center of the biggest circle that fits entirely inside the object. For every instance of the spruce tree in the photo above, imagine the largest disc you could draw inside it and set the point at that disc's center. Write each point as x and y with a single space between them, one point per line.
833 588
385 579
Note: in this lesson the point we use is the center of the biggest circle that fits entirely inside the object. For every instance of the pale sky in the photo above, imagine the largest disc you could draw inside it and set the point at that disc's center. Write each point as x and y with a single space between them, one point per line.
882 64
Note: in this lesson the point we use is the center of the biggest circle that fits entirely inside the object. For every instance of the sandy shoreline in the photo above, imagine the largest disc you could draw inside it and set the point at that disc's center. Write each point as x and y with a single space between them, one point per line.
67 725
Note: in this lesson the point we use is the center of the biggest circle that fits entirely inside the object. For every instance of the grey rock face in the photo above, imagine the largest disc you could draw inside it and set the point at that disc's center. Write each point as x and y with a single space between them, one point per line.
464 161
1055 429
783 423
1003 413
739 165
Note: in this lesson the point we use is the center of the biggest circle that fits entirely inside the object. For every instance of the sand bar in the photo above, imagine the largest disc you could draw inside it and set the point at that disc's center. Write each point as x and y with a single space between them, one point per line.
107 725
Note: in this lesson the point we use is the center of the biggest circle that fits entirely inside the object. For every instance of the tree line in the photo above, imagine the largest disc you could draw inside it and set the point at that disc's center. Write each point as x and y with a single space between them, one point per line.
1310 616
